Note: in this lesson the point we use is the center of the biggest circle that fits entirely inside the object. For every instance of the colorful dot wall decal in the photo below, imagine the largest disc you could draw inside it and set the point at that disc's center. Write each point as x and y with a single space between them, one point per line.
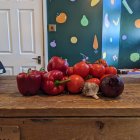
124 37
84 21
115 57
111 39
84 57
95 43
66 62
137 23
96 51
112 2
127 7
107 22
116 22
94 2
74 39
104 55
53 44
134 57
61 18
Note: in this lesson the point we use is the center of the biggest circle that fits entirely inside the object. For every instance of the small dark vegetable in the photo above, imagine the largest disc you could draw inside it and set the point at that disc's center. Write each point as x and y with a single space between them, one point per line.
112 86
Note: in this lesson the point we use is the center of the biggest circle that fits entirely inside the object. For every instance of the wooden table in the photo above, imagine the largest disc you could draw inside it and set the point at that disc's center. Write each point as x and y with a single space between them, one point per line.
69 117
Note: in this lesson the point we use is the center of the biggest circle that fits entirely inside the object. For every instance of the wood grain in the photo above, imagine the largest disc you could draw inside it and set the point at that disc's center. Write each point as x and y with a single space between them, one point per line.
76 128
12 104
9 132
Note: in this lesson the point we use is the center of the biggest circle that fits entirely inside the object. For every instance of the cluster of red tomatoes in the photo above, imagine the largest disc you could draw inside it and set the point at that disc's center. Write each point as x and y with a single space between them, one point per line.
86 72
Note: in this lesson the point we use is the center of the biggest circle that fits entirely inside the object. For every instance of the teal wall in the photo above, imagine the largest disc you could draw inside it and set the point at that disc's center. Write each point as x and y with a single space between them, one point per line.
112 21
129 55
75 9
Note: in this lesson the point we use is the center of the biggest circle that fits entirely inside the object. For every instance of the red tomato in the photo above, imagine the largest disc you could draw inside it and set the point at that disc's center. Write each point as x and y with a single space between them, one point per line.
102 61
76 83
65 84
97 70
69 71
90 65
94 80
81 69
110 70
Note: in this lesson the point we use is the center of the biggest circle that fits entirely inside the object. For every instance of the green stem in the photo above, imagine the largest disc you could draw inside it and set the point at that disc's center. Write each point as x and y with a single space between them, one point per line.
57 82
29 70
87 62
42 69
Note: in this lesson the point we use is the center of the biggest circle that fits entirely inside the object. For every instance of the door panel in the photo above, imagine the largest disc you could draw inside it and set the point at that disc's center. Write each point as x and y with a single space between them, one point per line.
26 28
5 32
22 35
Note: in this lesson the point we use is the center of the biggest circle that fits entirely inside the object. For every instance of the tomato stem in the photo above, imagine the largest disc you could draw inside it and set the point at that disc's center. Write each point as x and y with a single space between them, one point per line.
88 62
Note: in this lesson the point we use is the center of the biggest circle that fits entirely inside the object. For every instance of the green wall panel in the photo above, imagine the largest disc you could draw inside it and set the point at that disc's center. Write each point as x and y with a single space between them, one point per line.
72 27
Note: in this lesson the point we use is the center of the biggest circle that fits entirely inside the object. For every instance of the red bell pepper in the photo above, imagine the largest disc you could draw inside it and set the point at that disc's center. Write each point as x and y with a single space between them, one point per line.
29 83
57 63
42 71
53 83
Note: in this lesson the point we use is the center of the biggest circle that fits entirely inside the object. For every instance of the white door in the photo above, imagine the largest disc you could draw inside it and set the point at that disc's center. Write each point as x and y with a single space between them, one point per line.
21 35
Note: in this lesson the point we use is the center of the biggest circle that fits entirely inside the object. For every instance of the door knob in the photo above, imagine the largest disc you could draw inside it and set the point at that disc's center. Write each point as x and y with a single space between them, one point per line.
38 59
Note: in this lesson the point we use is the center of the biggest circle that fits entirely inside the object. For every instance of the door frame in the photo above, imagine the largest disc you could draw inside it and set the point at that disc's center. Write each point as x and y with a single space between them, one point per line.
45 33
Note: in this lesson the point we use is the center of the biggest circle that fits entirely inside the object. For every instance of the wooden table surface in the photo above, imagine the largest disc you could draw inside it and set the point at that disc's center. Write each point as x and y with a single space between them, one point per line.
12 104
